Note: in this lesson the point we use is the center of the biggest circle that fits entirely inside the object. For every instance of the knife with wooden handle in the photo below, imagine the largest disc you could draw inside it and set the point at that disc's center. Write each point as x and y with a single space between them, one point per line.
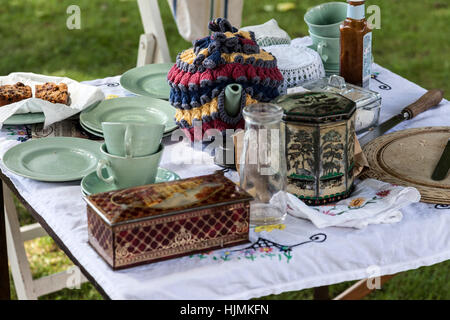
440 172
425 102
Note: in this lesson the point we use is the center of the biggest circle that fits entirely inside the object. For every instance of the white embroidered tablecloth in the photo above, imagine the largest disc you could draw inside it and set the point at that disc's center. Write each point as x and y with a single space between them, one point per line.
299 256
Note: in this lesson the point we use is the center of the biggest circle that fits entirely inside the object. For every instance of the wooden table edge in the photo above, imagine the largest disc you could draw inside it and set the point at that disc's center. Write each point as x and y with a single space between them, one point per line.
50 232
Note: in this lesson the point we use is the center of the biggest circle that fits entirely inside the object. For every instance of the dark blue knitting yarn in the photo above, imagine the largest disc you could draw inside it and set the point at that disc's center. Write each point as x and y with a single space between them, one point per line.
188 99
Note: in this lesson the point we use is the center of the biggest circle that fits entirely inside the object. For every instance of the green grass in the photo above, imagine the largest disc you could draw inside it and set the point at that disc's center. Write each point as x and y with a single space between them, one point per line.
412 41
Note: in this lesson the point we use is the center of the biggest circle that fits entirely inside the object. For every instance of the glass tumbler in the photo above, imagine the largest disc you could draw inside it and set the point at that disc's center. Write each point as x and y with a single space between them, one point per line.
263 163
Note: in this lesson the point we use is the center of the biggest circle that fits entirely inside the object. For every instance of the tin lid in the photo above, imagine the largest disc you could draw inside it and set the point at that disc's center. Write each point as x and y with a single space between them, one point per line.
317 107
160 199
336 84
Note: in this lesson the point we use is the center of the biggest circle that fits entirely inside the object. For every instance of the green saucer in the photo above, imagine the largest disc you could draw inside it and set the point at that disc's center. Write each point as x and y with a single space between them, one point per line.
55 159
149 80
91 184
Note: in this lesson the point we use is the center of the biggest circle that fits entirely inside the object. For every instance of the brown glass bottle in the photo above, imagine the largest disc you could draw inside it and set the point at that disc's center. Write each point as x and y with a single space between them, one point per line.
356 45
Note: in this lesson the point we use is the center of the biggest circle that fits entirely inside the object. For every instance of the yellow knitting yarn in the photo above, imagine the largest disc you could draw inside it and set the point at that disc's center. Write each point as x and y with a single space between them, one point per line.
188 56
242 33
229 57
205 110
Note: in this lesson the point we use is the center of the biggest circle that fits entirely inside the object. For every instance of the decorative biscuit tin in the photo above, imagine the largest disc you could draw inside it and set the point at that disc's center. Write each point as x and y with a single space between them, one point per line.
166 220
320 143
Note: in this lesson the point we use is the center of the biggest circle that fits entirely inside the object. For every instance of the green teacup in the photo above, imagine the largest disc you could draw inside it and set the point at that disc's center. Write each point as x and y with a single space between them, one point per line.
324 20
132 139
125 172
329 49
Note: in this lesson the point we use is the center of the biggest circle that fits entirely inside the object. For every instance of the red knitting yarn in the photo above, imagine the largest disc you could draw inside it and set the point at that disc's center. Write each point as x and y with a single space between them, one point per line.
226 71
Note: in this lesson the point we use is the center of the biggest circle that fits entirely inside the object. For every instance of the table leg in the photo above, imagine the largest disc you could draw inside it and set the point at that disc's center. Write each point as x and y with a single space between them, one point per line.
321 293
359 290
4 271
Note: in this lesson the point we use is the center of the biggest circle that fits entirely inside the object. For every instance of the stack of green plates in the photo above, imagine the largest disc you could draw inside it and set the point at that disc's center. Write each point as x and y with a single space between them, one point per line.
128 109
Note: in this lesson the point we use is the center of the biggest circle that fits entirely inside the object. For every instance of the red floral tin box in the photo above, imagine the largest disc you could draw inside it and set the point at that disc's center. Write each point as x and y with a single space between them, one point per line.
166 220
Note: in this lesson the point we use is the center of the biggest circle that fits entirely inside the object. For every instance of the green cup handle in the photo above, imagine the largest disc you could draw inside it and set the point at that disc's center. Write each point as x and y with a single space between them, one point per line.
102 164
127 141
320 47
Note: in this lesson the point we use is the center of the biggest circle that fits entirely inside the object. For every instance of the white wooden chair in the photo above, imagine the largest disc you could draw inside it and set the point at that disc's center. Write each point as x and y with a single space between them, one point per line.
27 288
153 47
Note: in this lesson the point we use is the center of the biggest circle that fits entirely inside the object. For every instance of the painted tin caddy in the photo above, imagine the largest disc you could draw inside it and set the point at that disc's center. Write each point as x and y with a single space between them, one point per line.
320 143
166 220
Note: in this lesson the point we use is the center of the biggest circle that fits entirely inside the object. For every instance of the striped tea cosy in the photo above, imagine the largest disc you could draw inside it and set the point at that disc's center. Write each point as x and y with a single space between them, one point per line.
200 75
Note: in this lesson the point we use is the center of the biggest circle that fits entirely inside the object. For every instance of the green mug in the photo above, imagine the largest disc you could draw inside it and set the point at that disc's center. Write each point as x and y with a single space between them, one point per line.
329 49
132 139
126 172
324 20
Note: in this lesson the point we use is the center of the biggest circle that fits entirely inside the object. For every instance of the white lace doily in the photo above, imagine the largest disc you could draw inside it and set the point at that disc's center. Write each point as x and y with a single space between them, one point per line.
297 65
271 41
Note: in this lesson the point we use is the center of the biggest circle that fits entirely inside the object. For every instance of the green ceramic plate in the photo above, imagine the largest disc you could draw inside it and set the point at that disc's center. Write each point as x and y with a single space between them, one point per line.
25 118
53 159
129 109
166 134
149 80
91 184
95 133
100 134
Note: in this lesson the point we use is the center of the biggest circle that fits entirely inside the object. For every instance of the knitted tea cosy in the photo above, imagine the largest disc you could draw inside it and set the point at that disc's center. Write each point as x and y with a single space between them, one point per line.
200 75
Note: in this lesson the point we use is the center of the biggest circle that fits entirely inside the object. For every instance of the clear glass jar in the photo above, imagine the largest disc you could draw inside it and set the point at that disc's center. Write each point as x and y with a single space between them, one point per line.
263 163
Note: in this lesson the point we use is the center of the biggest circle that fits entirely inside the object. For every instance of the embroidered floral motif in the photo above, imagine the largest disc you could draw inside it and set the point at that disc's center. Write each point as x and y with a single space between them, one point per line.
19 133
262 248
356 203
271 227
328 212
383 193
383 86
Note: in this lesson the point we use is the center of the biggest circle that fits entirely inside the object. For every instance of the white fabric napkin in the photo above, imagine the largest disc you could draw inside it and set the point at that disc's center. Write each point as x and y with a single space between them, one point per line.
81 97
269 33
302 42
372 202
6 144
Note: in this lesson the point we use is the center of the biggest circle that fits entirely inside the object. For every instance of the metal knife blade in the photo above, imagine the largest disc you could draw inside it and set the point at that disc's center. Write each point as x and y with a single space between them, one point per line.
425 102
440 172
381 129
